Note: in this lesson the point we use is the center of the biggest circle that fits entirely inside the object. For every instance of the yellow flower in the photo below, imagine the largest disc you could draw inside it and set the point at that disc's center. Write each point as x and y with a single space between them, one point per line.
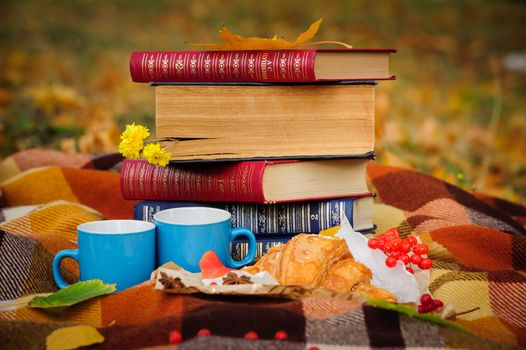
132 140
131 148
135 132
155 154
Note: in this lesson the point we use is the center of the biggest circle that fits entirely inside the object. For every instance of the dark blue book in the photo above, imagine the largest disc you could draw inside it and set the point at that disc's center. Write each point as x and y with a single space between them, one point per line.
239 247
282 218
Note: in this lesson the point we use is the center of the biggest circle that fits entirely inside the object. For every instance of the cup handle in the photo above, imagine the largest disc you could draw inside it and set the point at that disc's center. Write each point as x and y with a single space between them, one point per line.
241 231
68 253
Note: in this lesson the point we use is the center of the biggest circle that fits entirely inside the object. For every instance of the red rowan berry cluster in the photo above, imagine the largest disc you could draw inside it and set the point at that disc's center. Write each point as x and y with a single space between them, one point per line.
407 250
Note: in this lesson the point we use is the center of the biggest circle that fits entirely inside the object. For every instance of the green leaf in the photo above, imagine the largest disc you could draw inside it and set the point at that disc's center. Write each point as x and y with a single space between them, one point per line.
73 294
409 311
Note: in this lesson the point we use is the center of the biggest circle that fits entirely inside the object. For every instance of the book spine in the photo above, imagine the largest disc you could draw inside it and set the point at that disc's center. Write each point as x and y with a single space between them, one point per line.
239 248
268 219
223 66
226 182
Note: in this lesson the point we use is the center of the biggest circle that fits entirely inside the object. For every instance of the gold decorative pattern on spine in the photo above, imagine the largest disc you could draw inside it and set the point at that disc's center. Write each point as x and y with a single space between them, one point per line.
142 171
151 66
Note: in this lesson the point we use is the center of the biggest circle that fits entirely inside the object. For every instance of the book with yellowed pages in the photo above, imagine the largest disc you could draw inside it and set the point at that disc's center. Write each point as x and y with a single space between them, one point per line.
260 181
265 121
267 66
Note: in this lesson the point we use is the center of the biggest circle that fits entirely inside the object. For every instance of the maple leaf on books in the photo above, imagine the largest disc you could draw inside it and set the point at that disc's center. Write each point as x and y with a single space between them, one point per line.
233 41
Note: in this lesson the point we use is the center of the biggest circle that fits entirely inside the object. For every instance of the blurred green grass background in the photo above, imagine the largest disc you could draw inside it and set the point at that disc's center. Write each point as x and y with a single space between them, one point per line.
456 110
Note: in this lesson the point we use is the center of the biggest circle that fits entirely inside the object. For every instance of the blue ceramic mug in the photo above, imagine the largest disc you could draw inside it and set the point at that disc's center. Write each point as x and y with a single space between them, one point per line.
185 234
114 251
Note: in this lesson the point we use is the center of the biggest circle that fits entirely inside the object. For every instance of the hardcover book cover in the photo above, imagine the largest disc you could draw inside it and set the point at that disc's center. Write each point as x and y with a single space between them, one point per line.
239 247
250 181
282 218
276 66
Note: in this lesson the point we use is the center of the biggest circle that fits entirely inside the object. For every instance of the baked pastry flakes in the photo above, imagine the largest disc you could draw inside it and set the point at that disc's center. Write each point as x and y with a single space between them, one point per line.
320 261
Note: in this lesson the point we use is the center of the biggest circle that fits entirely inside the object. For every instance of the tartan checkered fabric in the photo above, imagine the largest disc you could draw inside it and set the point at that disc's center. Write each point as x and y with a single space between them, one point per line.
477 244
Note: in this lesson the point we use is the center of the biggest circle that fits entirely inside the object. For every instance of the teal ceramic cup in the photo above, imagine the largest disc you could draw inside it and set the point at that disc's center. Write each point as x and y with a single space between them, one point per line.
114 251
185 234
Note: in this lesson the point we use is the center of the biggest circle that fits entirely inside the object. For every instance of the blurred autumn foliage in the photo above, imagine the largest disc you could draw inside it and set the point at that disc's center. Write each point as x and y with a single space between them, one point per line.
457 109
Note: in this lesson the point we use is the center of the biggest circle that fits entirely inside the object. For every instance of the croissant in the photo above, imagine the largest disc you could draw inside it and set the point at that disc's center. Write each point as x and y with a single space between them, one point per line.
319 261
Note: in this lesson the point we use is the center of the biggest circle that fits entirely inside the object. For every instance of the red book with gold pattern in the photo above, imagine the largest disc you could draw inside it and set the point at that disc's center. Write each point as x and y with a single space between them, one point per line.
267 66
258 181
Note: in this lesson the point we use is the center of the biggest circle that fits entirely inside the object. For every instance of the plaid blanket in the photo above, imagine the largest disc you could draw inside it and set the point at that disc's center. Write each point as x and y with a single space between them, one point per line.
477 244
82 181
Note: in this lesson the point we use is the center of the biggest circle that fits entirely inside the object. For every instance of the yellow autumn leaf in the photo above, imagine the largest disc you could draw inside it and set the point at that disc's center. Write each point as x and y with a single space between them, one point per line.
233 41
73 337
331 231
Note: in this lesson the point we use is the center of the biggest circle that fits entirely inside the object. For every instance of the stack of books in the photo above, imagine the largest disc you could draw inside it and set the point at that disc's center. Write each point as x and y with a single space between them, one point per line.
279 138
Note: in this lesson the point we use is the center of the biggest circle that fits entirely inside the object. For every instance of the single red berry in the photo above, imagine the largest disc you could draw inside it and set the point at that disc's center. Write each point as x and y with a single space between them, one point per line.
420 248
406 247
426 299
395 254
404 258
390 262
397 243
415 259
388 246
425 264
422 309
213 284
175 337
411 240
251 335
281 335
437 304
381 243
410 269
373 243
204 332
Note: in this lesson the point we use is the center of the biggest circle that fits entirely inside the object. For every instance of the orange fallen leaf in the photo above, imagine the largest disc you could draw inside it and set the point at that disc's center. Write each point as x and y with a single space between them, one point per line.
233 41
